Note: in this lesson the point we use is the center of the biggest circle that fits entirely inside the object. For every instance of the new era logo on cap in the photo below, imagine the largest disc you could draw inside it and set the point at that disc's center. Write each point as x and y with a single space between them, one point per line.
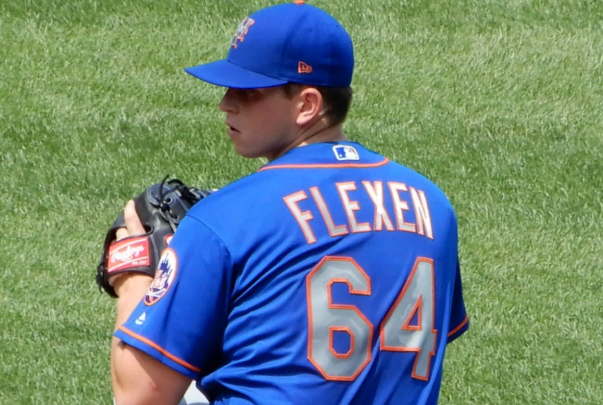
303 67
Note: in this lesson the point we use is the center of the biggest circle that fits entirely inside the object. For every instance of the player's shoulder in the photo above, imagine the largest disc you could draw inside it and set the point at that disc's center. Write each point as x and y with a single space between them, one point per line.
234 196
425 190
415 178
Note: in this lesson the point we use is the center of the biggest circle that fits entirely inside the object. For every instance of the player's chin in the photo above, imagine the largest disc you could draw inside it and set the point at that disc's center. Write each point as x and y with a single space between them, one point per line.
245 150
248 148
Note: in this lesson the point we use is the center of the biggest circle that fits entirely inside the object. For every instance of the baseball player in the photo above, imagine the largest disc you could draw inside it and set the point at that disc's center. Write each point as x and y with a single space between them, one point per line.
328 276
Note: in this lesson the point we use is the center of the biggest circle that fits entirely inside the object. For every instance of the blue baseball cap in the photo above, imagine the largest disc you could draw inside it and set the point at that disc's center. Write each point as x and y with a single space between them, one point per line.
294 42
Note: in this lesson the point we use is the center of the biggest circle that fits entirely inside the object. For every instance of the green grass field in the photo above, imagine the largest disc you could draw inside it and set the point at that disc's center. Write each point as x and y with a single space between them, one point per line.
497 101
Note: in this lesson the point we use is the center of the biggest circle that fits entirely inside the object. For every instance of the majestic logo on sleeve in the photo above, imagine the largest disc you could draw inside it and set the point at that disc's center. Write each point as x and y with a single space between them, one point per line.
345 152
242 31
164 277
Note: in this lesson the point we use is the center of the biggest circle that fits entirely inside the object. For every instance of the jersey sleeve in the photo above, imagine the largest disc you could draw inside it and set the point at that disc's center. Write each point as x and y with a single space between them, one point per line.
459 321
181 319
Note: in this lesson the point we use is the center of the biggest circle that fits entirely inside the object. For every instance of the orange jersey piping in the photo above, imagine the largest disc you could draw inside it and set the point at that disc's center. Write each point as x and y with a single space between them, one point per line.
452 332
324 166
160 349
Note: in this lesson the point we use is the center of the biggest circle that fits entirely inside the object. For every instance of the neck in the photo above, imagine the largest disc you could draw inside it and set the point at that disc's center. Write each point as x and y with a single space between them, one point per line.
319 131
326 134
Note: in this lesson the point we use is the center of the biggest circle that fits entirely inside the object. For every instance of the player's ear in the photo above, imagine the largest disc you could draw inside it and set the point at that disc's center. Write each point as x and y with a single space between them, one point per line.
309 105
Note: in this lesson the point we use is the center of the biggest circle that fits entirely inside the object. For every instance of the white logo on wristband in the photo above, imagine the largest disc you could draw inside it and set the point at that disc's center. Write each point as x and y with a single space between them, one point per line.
129 253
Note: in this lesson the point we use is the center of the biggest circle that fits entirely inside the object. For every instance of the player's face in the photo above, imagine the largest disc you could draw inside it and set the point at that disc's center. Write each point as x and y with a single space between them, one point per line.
261 122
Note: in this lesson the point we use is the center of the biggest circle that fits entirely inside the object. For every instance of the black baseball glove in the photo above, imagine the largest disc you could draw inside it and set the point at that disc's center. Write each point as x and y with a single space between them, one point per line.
160 207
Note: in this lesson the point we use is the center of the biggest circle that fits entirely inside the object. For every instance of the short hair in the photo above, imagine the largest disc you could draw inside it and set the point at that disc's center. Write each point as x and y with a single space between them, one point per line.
336 100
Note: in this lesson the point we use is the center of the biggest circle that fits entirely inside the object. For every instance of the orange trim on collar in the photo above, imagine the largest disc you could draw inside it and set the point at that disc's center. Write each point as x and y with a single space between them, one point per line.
324 166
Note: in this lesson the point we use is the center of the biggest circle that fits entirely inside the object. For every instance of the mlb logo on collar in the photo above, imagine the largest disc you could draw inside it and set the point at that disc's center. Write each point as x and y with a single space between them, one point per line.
345 152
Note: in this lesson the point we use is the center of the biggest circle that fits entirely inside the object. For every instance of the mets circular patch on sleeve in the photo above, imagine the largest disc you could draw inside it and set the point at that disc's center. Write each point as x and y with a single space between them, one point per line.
164 277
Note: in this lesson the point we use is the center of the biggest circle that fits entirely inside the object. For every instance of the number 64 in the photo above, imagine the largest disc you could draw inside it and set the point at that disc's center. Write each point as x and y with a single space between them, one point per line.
415 301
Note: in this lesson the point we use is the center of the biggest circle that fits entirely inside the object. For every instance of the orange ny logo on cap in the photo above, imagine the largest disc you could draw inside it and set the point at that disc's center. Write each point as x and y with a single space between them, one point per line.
242 31
303 67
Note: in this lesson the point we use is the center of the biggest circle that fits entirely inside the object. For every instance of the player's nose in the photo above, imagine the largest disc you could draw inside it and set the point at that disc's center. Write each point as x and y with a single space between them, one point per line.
228 103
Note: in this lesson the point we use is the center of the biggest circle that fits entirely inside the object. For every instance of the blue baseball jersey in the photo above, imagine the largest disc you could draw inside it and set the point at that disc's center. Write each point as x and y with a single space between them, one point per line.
329 276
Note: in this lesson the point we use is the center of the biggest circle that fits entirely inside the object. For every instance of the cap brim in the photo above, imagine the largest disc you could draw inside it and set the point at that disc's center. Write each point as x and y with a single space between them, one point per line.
225 74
